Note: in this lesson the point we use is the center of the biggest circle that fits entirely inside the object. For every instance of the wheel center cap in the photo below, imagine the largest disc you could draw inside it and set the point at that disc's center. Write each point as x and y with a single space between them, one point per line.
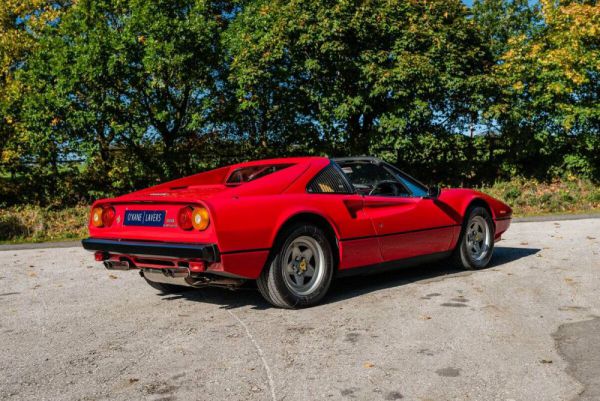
302 265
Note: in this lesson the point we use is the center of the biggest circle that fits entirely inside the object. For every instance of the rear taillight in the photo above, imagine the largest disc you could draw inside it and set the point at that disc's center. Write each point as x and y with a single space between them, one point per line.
97 217
193 217
200 218
108 215
184 218
103 216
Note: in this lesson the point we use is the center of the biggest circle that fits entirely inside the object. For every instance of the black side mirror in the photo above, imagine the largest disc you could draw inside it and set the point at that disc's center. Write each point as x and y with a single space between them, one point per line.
433 192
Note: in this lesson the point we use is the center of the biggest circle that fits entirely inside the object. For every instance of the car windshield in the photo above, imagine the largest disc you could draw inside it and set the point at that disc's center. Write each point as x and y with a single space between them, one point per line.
251 173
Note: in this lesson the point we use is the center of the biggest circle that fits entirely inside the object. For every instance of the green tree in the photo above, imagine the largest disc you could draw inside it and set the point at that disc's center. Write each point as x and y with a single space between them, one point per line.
509 144
355 75
99 97
550 92
131 77
501 20
21 23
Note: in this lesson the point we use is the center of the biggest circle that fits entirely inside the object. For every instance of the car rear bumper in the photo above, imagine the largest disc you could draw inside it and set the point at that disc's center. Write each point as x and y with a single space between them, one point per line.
205 252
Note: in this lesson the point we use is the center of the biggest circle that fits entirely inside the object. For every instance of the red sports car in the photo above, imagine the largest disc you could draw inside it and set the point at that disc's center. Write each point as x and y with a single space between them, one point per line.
292 225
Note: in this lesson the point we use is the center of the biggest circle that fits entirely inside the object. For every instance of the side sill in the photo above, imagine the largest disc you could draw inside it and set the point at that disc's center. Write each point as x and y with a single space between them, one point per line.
393 265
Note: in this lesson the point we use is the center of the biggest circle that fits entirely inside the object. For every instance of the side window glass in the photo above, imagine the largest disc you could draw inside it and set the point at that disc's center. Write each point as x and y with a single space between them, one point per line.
329 181
373 179
416 190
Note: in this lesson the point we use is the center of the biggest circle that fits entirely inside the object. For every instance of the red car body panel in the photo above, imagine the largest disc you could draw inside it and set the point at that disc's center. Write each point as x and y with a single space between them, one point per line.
246 219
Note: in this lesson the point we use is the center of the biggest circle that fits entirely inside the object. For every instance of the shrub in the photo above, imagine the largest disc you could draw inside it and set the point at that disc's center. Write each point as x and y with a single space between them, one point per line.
34 223
529 197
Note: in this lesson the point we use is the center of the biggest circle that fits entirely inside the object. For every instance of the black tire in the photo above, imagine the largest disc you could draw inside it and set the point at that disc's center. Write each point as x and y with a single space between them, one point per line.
464 256
276 288
167 288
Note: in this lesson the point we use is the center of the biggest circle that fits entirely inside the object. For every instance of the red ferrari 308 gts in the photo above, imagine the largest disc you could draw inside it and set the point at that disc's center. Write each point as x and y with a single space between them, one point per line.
292 225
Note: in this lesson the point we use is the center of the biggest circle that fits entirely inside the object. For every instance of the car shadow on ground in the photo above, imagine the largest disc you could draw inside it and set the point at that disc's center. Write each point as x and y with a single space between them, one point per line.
356 286
350 287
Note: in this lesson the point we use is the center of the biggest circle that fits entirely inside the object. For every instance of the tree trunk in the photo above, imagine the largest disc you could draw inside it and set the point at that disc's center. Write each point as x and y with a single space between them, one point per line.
358 138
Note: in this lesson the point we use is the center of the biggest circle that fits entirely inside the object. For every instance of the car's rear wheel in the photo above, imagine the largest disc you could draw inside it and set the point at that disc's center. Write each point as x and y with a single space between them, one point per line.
476 243
167 288
299 272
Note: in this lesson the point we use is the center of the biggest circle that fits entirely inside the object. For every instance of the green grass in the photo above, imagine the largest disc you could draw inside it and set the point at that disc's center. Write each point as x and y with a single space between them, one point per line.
21 224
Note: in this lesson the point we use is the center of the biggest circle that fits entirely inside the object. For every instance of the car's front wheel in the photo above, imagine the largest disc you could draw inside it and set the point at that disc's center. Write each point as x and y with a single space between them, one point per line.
300 271
476 243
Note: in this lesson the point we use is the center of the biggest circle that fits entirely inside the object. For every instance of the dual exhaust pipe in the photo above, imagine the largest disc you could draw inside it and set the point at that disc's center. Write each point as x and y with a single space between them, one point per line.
116 264
177 276
157 274
181 276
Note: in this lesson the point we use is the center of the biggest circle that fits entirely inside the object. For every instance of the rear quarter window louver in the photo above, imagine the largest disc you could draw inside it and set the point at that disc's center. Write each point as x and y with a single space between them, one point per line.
329 180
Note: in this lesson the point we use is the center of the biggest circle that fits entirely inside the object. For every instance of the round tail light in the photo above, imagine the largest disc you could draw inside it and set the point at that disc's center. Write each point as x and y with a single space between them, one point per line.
108 216
200 218
184 218
97 217
103 216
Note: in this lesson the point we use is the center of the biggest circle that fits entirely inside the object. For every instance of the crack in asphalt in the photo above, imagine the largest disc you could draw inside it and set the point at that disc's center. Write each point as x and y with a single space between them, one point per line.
260 354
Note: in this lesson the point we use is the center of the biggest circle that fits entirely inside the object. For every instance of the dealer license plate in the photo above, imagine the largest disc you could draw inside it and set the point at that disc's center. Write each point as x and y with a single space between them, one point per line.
151 218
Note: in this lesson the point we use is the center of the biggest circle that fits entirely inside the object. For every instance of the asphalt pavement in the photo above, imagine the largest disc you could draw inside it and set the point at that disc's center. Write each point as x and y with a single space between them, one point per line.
526 328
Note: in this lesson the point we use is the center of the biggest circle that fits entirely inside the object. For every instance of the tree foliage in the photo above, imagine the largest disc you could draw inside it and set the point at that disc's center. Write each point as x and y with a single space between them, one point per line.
99 97
551 82
21 24
353 75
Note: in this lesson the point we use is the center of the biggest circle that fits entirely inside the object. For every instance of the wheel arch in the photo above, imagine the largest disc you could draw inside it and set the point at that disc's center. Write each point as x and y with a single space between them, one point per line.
477 201
309 217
